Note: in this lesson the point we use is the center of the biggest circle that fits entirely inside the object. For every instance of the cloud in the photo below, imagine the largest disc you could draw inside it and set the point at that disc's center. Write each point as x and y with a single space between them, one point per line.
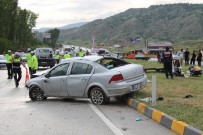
55 13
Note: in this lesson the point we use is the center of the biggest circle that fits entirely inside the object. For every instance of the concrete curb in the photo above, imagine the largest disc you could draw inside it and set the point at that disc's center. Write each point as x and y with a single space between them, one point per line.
179 127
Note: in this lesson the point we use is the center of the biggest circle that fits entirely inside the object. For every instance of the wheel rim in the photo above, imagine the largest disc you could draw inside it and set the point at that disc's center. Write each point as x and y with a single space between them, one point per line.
37 94
97 97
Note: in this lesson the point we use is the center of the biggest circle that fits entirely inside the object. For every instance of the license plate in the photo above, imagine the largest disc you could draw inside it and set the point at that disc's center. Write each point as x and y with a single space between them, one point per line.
136 86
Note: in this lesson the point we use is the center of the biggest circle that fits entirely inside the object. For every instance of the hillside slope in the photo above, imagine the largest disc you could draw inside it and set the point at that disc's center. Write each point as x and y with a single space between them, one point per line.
165 22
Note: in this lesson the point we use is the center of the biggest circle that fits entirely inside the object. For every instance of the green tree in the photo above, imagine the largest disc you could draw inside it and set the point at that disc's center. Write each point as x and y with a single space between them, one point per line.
54 36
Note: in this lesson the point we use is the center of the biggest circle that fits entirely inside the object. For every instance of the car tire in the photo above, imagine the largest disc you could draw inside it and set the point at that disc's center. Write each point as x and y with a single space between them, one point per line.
36 94
98 97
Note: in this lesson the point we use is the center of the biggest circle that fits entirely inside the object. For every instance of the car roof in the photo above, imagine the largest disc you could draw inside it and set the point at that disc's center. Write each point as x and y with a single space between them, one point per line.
92 58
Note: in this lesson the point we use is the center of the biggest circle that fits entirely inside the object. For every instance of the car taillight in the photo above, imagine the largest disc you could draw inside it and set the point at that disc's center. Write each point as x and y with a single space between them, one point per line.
116 78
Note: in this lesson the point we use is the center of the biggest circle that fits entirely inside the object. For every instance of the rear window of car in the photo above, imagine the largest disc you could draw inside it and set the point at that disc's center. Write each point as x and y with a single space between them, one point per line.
111 63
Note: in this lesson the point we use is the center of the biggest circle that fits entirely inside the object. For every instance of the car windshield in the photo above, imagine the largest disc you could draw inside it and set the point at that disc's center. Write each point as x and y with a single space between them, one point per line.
2 57
111 63
44 51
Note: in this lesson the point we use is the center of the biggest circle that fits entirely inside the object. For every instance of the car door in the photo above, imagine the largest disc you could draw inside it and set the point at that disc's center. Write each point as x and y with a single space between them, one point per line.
78 78
56 82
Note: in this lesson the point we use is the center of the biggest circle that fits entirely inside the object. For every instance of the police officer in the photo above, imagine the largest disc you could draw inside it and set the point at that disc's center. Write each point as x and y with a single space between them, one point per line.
81 53
57 57
66 56
167 59
9 63
29 59
17 61
34 63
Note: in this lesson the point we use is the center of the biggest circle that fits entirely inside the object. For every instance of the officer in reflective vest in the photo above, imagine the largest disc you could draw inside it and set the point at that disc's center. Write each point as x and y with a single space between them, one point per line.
57 57
167 59
9 63
81 53
66 56
34 63
17 61
29 59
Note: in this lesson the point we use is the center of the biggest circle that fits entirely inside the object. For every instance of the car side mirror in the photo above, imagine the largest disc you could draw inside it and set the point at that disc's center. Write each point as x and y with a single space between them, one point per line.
47 75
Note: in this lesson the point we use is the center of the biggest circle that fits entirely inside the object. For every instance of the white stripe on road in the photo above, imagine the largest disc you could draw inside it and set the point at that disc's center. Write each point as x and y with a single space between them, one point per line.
113 128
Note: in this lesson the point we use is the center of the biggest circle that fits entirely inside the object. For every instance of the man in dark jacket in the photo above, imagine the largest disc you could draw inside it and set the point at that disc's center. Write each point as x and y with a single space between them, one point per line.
167 59
199 58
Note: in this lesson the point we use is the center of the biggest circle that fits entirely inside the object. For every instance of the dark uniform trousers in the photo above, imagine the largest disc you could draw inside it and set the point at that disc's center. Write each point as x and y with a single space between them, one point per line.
168 67
17 74
9 69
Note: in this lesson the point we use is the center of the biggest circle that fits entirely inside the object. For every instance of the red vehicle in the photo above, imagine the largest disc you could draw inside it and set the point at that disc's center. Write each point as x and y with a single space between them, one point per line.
137 54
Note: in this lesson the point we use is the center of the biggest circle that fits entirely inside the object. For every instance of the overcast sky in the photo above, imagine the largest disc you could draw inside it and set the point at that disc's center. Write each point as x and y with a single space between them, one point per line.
56 13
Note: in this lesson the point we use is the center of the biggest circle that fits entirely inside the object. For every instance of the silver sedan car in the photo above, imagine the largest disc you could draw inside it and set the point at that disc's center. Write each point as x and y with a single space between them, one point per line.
94 77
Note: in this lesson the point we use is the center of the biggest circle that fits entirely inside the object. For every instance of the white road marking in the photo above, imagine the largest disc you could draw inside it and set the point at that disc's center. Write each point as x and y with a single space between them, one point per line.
113 128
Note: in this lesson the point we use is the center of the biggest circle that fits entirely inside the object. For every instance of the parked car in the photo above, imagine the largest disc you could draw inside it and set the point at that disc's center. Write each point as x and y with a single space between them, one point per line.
95 77
2 61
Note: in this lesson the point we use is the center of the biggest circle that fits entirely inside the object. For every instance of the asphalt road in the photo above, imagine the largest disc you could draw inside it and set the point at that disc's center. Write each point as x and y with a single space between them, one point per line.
56 116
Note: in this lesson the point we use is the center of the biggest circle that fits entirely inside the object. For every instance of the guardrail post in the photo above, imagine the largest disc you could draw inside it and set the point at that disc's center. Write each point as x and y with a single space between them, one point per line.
153 90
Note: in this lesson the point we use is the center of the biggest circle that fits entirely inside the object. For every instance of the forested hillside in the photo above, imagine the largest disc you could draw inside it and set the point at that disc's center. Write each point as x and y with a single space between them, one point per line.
170 22
15 26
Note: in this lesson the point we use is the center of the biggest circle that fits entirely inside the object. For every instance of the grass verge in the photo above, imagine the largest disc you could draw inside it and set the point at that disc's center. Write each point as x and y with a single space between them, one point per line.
189 110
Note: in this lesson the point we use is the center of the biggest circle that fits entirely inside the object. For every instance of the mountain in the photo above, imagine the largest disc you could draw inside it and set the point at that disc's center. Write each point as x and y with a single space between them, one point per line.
75 25
162 22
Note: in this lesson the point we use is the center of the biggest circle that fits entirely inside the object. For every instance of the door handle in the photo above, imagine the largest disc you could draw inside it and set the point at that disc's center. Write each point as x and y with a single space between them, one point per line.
45 81
84 79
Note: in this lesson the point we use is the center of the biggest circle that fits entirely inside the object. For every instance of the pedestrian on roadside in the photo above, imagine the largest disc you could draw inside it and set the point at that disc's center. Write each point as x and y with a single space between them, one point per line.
192 61
17 61
9 58
158 57
187 54
167 60
181 56
34 63
199 58
29 60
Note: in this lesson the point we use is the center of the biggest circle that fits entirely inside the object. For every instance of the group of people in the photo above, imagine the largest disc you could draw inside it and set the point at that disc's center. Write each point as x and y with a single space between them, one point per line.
81 53
186 56
168 62
14 61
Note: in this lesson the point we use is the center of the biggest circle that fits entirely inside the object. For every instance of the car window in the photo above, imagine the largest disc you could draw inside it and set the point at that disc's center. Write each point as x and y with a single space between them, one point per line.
111 63
60 70
81 68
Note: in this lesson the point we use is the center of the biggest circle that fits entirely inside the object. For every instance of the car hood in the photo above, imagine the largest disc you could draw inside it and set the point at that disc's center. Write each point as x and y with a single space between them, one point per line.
40 73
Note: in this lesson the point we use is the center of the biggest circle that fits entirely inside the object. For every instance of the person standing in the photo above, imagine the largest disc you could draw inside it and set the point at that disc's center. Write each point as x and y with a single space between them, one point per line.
57 57
66 56
167 60
17 61
29 60
199 58
192 61
181 55
187 54
9 58
34 63
81 53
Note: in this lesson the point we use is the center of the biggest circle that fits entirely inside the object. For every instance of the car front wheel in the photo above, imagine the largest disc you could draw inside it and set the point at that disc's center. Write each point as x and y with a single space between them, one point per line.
98 97
36 93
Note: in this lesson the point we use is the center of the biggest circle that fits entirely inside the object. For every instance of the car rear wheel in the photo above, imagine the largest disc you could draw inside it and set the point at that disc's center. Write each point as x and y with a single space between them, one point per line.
98 97
36 93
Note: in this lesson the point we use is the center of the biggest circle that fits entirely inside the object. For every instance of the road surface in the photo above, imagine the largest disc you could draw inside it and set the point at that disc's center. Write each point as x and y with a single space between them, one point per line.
56 116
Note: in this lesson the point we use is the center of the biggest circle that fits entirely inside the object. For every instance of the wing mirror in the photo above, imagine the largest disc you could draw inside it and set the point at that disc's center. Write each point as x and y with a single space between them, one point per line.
47 75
